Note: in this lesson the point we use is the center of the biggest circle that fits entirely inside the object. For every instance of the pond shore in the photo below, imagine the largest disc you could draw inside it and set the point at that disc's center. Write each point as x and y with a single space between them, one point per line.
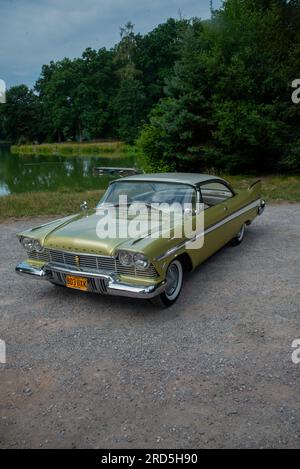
276 189
114 148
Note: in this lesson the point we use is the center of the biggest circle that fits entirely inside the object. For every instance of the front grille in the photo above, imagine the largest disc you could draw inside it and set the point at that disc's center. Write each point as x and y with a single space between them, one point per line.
59 278
90 263
97 285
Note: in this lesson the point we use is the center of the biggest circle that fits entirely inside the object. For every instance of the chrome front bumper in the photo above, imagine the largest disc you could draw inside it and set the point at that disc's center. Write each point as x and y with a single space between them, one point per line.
113 285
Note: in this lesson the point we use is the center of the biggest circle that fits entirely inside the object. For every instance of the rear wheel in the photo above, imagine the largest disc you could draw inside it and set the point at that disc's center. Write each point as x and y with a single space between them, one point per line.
240 236
174 281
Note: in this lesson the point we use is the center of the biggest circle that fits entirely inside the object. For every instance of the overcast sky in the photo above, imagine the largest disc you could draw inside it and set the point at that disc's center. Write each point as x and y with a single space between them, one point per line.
33 32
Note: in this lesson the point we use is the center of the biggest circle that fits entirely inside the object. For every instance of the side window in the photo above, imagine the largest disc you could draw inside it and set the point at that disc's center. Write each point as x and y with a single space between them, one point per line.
214 193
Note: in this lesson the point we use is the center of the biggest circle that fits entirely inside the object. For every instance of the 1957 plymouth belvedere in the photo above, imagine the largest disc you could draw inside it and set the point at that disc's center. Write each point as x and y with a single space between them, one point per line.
75 252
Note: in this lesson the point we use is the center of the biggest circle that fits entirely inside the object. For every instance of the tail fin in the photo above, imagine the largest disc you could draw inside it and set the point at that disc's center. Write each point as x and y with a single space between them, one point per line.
255 188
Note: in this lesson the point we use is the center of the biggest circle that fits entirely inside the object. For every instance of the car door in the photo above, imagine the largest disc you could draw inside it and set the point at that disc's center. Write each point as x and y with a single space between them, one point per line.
218 229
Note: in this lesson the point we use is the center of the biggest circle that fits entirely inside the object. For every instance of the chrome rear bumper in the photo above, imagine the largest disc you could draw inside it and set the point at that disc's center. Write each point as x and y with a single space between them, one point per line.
112 285
261 207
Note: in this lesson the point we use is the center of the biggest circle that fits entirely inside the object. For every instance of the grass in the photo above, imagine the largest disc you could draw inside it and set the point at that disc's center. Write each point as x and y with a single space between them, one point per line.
34 204
113 149
275 189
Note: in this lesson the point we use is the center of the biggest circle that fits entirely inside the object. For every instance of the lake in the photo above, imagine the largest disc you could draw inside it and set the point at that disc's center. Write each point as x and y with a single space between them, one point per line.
34 173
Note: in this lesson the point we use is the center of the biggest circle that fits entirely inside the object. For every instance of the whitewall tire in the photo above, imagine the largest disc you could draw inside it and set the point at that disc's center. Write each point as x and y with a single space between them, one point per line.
174 281
240 236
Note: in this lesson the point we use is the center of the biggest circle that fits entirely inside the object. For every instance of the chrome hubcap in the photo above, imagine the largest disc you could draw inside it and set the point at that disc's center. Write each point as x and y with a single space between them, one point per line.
172 279
241 233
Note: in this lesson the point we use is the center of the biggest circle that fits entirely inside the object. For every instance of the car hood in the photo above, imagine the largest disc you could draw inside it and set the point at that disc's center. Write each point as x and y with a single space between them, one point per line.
79 233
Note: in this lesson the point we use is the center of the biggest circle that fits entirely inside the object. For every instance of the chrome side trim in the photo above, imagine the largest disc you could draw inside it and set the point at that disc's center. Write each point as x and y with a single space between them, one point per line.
247 208
233 216
172 250
113 286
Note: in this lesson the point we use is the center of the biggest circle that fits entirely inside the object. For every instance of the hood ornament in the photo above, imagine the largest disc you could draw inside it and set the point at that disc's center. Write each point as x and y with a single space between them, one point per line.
84 206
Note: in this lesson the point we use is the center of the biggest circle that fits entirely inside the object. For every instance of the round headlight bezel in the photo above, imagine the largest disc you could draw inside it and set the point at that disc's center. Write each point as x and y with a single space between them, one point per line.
140 261
31 244
122 258
37 246
28 244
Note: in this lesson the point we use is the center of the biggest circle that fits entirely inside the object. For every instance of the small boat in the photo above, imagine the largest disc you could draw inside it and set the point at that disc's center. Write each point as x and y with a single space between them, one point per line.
115 171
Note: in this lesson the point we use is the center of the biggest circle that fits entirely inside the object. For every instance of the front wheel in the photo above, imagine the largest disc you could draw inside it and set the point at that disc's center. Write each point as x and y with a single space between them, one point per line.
174 281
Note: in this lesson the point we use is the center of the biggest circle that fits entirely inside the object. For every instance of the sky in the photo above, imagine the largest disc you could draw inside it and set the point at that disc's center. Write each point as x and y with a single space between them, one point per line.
34 32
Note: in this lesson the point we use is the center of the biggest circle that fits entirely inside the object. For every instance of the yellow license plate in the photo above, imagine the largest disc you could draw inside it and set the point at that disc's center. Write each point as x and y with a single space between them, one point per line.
79 283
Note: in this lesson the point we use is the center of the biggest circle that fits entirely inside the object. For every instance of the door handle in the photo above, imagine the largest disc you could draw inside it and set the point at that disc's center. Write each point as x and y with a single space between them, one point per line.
225 208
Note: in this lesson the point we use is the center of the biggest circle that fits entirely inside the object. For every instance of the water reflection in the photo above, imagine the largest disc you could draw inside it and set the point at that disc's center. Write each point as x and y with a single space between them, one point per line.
33 173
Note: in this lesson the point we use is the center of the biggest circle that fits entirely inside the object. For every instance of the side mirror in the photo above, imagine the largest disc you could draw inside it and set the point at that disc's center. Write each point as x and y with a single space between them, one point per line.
195 210
84 206
189 211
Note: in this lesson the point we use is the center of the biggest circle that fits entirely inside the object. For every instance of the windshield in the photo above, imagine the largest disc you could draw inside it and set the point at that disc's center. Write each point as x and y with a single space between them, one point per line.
149 193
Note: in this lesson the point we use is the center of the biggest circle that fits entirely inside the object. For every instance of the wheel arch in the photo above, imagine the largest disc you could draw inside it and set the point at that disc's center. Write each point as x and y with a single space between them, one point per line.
186 262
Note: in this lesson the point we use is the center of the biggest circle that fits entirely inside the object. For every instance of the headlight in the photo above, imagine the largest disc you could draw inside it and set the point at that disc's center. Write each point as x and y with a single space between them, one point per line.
140 261
37 246
31 245
125 258
28 244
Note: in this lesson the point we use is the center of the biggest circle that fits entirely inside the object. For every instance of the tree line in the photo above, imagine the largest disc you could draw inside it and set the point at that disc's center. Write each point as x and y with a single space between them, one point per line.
104 94
193 94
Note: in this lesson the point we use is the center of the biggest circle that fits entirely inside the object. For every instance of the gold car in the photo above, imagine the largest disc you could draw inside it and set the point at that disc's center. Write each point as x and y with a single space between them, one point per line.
90 252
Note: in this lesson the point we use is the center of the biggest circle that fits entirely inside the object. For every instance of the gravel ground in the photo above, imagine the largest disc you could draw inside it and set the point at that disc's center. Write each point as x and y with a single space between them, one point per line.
215 370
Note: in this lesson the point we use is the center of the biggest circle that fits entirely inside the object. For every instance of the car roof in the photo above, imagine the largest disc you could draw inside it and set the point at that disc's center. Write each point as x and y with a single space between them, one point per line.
180 178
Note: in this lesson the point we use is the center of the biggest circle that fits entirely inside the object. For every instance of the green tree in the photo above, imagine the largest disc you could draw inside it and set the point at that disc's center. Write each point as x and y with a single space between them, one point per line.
20 115
75 95
55 91
128 107
255 121
155 56
128 104
105 93
181 122
228 104
92 94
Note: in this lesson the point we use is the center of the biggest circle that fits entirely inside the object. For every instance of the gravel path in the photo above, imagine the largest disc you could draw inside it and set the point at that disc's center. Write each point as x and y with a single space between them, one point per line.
215 370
